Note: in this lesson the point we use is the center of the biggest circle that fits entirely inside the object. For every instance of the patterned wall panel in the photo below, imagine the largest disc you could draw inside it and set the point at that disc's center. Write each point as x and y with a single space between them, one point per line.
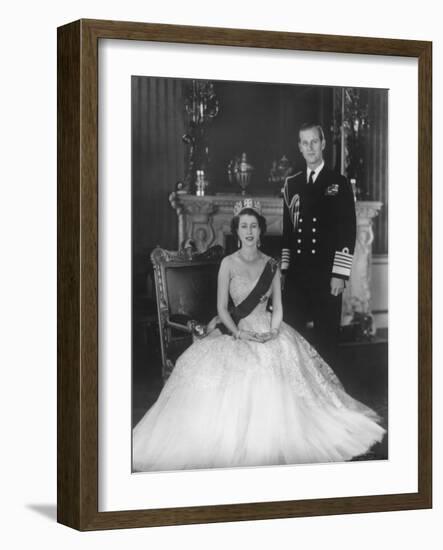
158 158
377 151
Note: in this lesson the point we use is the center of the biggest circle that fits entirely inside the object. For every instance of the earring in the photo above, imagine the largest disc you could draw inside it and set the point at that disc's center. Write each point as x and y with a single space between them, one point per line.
259 243
238 243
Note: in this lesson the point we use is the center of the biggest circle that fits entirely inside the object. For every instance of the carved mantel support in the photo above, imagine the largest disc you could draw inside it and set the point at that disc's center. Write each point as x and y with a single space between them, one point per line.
357 295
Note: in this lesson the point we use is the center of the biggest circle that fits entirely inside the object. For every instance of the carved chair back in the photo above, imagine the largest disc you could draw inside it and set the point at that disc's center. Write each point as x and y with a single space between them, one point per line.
186 292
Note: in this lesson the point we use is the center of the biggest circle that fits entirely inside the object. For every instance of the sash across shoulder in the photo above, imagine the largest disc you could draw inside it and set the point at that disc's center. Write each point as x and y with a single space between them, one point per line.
247 306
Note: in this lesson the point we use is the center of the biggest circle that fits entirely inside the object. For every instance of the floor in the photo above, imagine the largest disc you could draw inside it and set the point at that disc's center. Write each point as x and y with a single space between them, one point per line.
362 368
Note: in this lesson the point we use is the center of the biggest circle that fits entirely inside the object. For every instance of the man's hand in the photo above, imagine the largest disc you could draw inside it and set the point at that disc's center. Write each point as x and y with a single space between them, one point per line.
337 286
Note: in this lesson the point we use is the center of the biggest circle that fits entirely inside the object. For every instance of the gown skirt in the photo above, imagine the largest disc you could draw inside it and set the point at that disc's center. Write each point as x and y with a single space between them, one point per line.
231 403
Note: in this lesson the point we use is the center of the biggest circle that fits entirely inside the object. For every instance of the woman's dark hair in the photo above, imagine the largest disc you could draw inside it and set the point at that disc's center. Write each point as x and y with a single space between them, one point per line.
250 212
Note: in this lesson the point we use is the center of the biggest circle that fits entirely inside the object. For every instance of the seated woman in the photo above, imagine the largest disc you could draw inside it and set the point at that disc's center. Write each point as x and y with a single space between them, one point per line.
252 392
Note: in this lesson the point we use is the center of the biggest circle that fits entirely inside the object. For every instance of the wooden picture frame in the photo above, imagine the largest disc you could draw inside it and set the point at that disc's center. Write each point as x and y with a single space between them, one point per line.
78 465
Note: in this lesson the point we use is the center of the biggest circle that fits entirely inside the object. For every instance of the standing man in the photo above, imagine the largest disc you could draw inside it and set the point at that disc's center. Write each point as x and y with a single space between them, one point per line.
319 230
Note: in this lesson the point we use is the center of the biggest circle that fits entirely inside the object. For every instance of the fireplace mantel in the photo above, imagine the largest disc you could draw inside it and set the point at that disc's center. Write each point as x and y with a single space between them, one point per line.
207 221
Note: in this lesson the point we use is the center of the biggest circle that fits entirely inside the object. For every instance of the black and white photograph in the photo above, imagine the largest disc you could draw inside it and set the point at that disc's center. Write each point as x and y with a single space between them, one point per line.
192 361
259 274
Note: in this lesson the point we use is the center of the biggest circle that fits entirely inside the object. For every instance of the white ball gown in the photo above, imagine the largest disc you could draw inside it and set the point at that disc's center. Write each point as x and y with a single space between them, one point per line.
231 403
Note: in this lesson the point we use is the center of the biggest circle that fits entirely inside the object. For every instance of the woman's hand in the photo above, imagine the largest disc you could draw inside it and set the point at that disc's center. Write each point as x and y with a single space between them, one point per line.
267 336
261 337
249 335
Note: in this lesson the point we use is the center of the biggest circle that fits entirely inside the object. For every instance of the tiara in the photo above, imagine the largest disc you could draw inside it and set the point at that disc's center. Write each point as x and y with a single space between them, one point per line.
247 203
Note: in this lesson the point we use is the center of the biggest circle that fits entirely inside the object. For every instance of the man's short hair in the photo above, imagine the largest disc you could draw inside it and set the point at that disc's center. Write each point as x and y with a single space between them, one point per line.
308 126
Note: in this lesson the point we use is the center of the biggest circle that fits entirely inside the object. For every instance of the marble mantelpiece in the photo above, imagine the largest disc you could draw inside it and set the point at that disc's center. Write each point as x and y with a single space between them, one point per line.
206 221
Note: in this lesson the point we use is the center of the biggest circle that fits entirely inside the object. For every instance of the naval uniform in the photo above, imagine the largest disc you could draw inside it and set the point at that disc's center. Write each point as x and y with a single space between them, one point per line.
319 230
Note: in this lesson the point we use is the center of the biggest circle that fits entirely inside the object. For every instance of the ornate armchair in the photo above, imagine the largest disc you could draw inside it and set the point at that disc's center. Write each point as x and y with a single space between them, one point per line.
186 291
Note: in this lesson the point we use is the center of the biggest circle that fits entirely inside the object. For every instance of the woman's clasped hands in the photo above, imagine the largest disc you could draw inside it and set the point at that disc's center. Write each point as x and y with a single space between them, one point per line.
261 337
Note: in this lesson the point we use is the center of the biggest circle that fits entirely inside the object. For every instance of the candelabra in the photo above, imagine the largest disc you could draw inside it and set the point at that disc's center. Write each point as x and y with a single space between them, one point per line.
201 105
350 130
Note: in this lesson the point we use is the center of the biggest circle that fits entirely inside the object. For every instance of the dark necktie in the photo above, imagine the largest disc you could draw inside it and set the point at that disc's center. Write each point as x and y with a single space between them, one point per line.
311 177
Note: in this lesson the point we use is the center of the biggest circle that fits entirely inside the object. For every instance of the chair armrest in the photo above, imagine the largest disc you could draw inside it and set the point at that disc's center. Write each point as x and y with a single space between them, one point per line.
198 330
178 326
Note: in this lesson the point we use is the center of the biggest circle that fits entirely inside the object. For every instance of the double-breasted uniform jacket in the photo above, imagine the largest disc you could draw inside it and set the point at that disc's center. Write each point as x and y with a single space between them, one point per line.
319 226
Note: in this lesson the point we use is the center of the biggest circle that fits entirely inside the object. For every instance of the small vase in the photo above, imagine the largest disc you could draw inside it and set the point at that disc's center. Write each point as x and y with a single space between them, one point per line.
240 172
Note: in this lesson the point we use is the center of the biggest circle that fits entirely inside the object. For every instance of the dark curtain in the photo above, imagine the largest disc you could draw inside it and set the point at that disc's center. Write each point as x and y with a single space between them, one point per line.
158 159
